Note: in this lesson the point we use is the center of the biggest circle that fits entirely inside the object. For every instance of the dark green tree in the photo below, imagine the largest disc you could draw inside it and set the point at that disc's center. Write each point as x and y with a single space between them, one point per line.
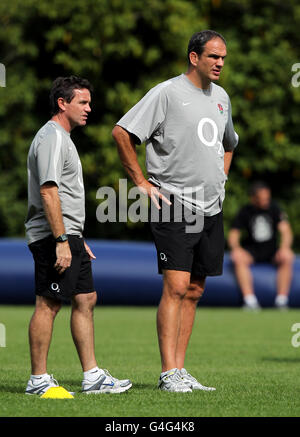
126 47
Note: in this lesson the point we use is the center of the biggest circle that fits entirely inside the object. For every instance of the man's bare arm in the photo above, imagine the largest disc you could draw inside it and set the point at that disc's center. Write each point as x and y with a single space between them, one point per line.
234 238
128 156
52 208
238 253
227 161
286 234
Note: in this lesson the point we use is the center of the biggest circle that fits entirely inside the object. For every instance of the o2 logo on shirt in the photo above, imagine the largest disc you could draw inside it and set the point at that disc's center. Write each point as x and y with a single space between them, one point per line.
213 141
261 229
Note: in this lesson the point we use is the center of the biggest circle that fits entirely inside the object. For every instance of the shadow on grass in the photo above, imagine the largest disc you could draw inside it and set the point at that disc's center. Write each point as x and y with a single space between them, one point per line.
77 384
5 388
69 385
20 388
282 359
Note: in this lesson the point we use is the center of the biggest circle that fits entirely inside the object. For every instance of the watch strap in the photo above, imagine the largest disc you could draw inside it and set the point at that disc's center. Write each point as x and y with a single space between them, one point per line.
61 238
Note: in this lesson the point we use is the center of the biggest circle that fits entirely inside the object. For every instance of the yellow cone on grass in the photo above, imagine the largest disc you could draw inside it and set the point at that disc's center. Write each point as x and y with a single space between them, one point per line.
57 393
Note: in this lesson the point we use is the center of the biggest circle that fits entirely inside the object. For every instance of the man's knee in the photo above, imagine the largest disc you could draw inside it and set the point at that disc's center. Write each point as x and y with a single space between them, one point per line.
241 262
195 290
84 301
241 257
48 305
176 284
288 259
176 290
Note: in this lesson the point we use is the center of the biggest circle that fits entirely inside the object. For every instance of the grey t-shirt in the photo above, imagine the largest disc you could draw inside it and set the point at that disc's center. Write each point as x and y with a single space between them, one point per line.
186 130
53 157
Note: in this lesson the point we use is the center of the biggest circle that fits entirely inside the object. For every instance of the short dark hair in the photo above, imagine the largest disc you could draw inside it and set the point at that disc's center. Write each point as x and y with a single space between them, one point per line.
258 185
64 87
199 39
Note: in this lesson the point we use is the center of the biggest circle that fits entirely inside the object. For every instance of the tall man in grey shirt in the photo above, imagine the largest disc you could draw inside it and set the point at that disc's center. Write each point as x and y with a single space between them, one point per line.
187 126
54 226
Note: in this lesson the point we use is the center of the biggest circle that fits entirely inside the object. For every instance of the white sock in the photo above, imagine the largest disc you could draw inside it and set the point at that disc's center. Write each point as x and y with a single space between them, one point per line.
281 299
250 299
92 374
39 376
167 372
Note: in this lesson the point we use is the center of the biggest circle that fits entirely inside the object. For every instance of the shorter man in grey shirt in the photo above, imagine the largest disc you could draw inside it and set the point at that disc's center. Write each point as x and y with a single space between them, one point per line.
54 226
187 126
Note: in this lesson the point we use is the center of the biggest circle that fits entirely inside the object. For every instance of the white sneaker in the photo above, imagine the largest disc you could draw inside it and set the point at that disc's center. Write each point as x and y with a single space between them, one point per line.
105 383
192 382
171 381
39 386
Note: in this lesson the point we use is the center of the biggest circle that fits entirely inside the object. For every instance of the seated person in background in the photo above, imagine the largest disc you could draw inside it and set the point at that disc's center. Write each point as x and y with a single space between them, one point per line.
264 224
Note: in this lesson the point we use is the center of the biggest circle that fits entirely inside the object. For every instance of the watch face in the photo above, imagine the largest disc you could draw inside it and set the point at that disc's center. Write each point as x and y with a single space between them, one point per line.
62 238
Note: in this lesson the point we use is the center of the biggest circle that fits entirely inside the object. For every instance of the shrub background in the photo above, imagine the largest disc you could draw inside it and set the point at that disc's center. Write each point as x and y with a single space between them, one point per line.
126 47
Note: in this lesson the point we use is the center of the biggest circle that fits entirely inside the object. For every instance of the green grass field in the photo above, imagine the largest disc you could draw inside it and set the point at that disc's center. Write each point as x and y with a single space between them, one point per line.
248 357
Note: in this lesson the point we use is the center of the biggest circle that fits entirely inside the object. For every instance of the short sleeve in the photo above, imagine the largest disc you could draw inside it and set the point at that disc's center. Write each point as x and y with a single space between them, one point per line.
231 138
50 158
146 117
278 214
240 220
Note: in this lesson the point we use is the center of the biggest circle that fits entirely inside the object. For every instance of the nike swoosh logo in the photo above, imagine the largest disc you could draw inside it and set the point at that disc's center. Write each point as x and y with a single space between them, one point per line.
38 389
185 104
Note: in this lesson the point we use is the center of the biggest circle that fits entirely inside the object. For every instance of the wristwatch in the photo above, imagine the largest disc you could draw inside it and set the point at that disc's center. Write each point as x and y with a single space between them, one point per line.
61 238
